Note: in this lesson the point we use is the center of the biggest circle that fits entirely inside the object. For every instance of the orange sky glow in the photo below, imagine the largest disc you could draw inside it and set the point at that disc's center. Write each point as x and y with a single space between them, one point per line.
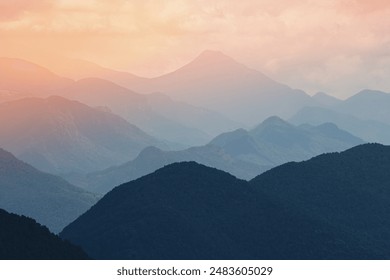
336 46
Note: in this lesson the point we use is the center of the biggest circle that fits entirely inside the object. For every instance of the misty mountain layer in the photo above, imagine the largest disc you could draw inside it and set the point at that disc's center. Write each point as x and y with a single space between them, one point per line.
242 153
48 199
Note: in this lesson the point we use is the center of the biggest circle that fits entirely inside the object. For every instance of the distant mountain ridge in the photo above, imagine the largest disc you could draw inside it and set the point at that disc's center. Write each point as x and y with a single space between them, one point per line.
276 141
23 78
61 136
48 199
365 114
242 153
155 113
215 81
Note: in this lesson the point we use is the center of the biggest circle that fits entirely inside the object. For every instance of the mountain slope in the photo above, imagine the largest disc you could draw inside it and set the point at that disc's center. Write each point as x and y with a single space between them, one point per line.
21 238
368 105
20 78
189 211
59 136
348 191
49 199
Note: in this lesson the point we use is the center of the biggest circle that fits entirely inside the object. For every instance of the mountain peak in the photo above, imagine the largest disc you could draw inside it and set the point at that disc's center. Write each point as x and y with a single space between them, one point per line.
270 124
369 93
211 57
213 54
325 99
274 120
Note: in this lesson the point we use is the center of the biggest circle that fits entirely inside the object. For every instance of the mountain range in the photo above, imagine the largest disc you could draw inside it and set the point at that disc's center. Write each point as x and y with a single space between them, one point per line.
368 130
48 199
355 114
334 206
155 113
22 238
19 78
242 153
216 82
234 95
61 136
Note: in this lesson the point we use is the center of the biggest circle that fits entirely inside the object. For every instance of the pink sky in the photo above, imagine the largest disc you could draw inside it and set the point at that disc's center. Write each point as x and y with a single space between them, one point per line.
337 46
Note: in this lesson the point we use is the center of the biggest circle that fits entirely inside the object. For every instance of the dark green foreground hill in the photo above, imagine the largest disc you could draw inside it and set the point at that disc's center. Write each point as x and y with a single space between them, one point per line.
348 191
22 238
334 206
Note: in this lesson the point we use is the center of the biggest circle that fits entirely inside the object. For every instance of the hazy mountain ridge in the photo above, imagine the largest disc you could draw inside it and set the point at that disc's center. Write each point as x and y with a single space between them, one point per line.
49 199
217 82
368 105
155 113
60 136
276 141
24 79
368 130
151 159
242 153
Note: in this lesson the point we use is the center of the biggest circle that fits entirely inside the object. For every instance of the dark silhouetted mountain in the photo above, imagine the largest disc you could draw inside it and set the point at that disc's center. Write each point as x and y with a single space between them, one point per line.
189 211
368 130
22 238
49 199
244 154
19 78
348 191
217 82
59 136
368 105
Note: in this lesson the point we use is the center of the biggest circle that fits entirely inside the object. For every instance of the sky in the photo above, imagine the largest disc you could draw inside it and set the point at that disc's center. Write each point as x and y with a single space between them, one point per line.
336 46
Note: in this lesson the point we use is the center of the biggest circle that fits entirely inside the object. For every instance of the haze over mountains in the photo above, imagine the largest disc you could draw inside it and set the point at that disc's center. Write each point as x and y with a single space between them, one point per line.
242 153
19 78
365 114
61 136
155 113
334 206
242 96
217 82
160 139
48 199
